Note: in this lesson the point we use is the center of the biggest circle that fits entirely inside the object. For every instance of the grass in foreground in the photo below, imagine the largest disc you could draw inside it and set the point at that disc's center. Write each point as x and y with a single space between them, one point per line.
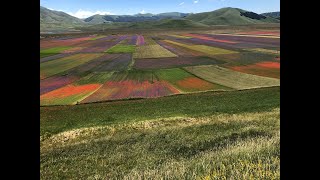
54 120
244 145
229 135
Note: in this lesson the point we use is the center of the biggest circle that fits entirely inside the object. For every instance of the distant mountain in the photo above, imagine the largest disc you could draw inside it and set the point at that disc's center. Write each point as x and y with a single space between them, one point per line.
161 24
173 14
57 17
179 23
59 21
97 19
272 14
167 24
230 16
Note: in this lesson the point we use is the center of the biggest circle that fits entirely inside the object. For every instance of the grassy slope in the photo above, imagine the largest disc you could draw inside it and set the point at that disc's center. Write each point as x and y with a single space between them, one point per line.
206 135
58 119
226 16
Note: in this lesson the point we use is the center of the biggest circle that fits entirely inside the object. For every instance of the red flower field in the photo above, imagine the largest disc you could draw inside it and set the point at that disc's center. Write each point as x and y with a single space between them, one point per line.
194 83
131 89
70 90
269 64
266 69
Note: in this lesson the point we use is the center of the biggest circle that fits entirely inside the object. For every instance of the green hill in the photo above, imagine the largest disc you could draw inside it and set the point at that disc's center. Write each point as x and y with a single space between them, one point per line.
50 16
230 16
179 23
161 24
272 14
97 19
57 21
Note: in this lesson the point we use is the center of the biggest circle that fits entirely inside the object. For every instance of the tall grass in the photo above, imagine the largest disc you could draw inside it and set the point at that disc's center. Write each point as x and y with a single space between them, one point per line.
224 146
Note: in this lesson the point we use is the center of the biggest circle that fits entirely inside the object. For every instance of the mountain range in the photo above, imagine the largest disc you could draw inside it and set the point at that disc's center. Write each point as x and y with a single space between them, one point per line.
50 19
97 19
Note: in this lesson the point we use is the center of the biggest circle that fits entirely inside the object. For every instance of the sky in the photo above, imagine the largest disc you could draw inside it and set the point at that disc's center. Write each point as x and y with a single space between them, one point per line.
86 8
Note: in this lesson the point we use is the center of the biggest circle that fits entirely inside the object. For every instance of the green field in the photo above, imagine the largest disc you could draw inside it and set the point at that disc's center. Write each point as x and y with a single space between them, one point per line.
50 68
97 37
152 51
231 134
119 48
53 51
95 78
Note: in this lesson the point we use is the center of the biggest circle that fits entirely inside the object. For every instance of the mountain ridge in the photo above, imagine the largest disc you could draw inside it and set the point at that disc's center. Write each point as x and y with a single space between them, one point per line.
50 19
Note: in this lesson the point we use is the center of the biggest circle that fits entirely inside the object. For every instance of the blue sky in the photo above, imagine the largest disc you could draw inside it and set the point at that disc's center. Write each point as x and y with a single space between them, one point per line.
86 8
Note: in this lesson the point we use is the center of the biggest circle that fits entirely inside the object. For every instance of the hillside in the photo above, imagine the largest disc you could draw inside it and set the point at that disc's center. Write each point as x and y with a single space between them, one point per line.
230 16
98 19
169 23
57 21
50 16
272 14
161 24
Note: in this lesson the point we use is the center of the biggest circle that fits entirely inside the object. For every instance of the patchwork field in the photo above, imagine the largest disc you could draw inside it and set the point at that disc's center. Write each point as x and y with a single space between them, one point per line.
164 105
126 85
150 49
185 81
232 79
50 68
53 51
203 48
168 64
162 63
267 69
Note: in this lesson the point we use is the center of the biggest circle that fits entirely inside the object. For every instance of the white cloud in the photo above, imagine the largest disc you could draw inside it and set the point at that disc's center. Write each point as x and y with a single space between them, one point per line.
84 14
196 1
181 4
142 12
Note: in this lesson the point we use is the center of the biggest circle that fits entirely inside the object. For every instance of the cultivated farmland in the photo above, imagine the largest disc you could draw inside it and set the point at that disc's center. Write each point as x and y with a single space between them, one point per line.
232 79
50 68
160 105
203 48
168 64
150 49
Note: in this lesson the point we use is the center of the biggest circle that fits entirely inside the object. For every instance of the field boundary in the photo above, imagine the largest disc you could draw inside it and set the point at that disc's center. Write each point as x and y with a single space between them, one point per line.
180 94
